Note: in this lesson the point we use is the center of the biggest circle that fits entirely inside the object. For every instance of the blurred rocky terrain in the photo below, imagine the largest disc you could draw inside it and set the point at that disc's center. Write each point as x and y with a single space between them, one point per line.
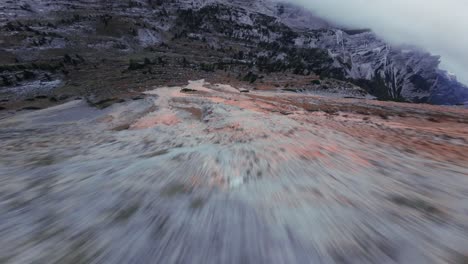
206 173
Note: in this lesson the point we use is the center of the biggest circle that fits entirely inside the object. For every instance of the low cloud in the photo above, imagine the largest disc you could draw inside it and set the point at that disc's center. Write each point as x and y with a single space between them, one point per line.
437 26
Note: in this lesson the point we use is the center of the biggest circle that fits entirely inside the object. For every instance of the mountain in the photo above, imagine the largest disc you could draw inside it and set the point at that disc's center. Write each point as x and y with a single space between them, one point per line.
103 49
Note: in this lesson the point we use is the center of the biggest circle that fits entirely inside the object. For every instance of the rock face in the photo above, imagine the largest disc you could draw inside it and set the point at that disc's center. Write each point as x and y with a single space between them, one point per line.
395 73
249 36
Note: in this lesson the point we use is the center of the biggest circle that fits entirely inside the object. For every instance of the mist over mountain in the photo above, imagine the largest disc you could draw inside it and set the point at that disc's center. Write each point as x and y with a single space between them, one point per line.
440 27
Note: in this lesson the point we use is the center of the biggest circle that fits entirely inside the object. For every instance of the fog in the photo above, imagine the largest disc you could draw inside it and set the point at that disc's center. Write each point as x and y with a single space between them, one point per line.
437 26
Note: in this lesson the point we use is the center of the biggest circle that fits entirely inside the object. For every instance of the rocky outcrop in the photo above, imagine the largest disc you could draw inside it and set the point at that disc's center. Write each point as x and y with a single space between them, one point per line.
390 72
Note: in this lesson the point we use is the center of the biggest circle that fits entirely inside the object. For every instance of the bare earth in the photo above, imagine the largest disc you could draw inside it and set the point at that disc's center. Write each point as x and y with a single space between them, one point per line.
212 175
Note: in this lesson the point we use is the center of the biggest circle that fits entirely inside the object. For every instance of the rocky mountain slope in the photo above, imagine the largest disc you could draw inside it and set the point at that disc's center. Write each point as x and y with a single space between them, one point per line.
103 49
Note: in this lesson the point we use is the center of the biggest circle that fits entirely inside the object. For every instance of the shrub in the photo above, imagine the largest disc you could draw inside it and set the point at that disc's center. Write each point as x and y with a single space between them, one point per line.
134 65
250 77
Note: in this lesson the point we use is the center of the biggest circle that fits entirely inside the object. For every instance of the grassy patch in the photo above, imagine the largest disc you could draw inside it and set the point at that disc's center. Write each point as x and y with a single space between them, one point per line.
175 189
187 90
155 153
197 203
124 214
43 161
290 90
102 104
416 204
160 227
384 116
121 127
331 111
81 251
31 108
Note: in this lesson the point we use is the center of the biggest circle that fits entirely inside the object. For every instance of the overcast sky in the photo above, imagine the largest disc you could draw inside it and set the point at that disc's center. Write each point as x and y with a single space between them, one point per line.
438 26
